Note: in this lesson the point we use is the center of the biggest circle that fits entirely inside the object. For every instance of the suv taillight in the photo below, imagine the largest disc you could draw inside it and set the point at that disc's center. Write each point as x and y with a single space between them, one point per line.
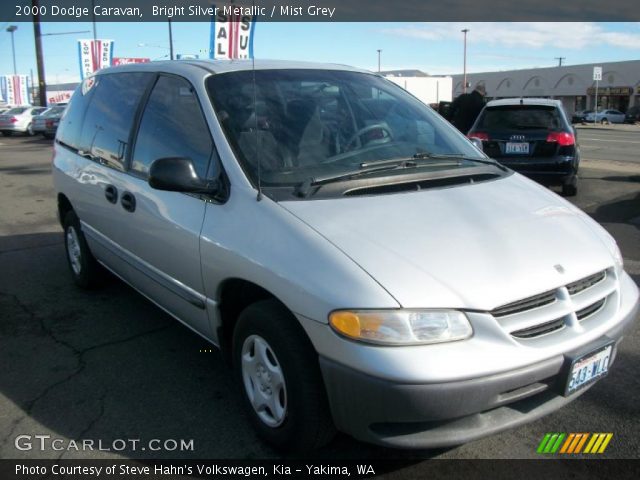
479 135
563 139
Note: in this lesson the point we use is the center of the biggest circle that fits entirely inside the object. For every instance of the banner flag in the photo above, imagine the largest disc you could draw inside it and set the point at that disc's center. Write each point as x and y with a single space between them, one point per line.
94 55
14 89
231 36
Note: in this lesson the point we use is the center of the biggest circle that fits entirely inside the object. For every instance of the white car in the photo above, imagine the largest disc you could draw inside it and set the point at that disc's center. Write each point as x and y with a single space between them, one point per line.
19 119
606 116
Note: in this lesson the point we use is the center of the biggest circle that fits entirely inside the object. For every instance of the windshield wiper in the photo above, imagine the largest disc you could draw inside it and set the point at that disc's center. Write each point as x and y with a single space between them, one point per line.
458 156
303 189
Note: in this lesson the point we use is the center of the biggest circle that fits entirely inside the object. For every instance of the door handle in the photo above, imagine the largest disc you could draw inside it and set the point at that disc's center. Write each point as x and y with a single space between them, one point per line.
128 201
111 193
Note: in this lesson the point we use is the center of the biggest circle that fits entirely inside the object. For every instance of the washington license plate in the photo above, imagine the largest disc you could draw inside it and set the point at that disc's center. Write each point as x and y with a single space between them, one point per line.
519 148
588 368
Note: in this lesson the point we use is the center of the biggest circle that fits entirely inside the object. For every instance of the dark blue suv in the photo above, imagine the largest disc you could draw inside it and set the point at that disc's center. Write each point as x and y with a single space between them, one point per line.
532 136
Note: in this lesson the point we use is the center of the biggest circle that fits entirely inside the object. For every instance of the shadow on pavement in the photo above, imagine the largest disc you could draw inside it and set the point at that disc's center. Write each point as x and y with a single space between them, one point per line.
108 364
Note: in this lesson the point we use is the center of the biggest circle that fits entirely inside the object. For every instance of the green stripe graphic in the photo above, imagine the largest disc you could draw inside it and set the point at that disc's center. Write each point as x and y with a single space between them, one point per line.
543 443
550 443
558 442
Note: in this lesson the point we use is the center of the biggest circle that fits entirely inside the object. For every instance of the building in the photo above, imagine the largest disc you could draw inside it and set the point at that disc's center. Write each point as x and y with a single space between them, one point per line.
573 85
429 89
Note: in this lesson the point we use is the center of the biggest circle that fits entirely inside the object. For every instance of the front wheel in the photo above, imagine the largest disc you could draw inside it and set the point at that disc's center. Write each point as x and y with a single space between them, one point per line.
282 387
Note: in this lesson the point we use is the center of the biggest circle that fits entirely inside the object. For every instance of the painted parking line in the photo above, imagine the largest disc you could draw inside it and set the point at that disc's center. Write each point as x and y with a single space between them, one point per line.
607 140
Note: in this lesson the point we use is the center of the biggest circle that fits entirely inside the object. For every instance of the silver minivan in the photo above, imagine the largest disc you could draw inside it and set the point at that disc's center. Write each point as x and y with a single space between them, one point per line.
362 265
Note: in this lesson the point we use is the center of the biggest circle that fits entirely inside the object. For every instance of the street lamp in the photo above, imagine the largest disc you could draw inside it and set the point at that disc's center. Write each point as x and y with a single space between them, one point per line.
464 85
379 52
11 29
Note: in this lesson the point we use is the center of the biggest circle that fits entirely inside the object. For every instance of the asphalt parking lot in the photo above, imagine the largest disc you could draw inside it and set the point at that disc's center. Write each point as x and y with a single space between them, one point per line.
109 365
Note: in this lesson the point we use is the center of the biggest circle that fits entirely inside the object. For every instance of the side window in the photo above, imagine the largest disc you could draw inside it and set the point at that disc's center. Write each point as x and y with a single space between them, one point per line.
110 115
172 126
71 122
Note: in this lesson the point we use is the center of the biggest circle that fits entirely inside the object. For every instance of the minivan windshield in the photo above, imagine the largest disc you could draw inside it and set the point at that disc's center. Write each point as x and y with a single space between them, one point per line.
305 123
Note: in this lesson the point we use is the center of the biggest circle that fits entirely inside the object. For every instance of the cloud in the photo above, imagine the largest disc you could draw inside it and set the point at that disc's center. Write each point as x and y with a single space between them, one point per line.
530 35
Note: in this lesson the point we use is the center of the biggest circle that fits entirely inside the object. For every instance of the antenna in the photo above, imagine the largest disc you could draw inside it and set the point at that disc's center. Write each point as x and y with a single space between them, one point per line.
255 117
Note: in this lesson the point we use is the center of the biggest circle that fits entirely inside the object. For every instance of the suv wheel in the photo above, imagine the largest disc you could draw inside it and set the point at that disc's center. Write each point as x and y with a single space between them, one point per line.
570 189
84 268
282 388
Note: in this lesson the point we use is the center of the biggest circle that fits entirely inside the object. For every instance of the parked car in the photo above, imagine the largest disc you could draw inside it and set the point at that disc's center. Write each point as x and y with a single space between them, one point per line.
605 117
38 121
361 264
52 120
533 137
632 115
19 119
579 116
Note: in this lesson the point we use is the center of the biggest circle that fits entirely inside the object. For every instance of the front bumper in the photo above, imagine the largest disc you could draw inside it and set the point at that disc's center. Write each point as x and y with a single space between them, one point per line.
429 415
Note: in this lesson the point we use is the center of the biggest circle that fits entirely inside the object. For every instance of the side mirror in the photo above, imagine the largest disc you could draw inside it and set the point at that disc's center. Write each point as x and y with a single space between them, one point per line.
177 174
476 143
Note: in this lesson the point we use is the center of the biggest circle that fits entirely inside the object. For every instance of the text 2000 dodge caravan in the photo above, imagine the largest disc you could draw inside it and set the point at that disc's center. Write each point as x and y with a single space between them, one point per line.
362 264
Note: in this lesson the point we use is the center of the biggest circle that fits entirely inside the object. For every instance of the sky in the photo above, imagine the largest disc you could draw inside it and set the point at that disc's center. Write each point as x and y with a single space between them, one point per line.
435 48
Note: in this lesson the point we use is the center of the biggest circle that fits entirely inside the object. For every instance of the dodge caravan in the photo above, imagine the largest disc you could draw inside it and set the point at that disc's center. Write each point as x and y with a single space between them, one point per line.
359 262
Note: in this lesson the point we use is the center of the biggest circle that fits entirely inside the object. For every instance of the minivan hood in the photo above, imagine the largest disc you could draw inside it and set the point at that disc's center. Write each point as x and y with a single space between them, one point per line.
474 246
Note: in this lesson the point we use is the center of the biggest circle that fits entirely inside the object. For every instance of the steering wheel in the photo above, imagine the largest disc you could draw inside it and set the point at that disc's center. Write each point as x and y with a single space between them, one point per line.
367 129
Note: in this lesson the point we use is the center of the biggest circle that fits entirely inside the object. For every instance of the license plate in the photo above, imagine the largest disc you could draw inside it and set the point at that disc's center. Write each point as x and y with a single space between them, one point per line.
588 368
519 148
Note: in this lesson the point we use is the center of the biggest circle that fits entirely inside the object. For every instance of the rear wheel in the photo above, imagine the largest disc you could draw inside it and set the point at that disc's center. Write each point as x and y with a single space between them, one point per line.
282 387
48 135
7 133
570 189
85 270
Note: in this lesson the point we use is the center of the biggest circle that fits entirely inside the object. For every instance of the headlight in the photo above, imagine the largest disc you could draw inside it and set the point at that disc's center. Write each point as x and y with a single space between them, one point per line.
617 258
401 327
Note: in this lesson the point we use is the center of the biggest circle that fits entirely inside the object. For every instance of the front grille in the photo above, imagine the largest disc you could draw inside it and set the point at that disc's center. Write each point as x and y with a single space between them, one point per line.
590 281
541 329
590 310
526 304
552 311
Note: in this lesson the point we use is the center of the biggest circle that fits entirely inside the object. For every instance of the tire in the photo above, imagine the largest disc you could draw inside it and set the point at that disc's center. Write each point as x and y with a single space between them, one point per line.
7 133
570 189
272 354
604 121
85 270
48 136
29 131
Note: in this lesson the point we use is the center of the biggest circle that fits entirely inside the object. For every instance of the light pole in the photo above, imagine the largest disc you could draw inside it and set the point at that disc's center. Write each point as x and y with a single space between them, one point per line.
170 40
379 52
464 67
560 60
11 29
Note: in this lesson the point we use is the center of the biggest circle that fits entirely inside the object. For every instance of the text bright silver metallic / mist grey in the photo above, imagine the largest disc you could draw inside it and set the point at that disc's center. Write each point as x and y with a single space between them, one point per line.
534 283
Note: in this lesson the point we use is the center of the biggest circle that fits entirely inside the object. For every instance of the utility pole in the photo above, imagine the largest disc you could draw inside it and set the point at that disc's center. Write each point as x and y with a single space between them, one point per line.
42 87
379 52
560 60
170 40
11 29
464 85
